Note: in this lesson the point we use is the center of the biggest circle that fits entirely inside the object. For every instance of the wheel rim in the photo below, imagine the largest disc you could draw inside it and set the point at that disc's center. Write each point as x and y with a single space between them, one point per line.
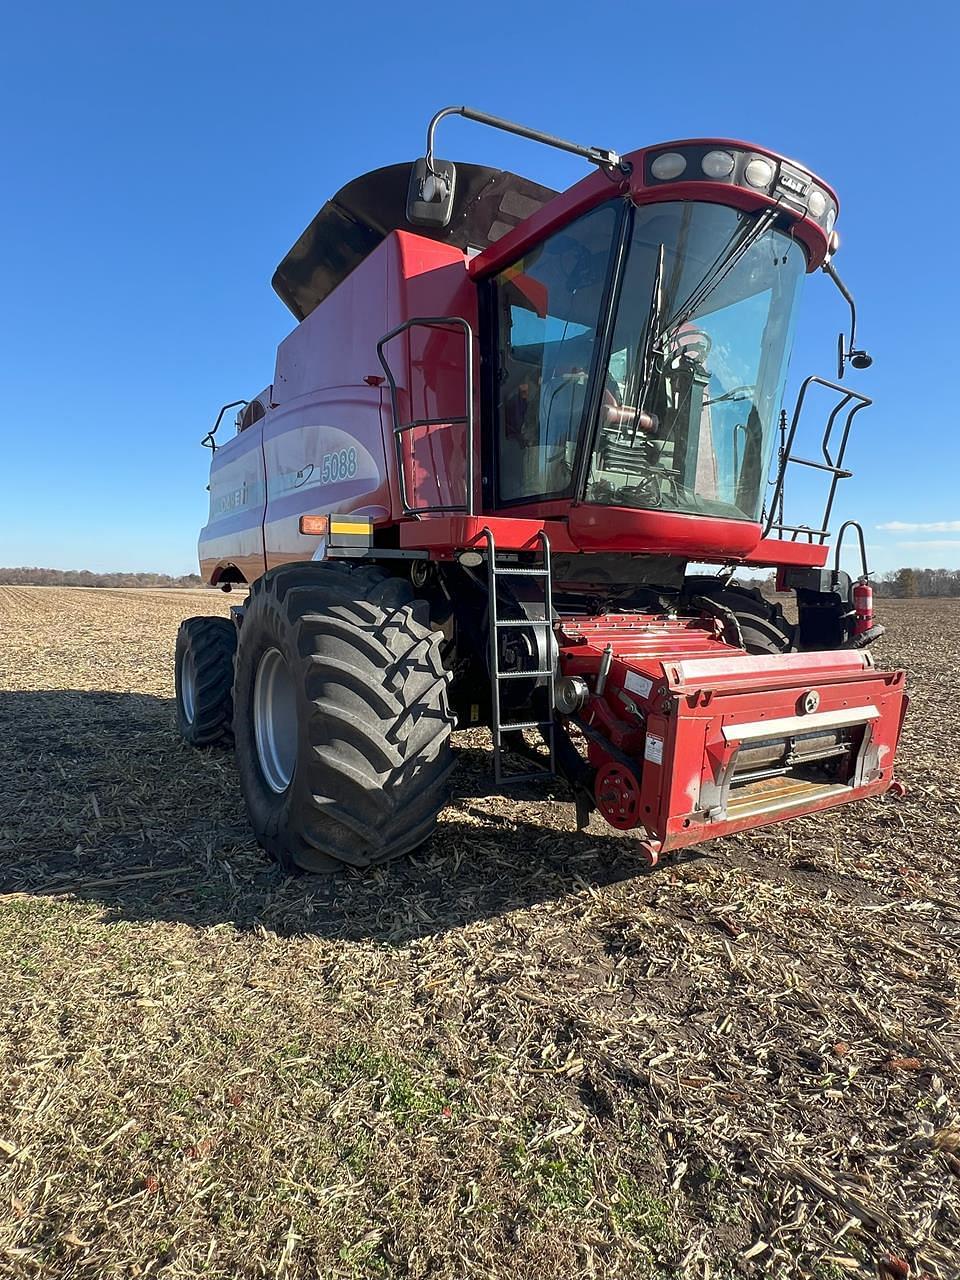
275 720
188 688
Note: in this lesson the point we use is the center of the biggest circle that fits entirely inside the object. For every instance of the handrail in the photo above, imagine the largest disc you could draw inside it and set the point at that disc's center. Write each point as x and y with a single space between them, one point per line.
208 440
852 524
433 322
832 463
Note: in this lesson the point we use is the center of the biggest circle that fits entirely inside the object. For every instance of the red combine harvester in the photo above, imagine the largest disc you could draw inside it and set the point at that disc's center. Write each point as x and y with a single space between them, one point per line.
507 422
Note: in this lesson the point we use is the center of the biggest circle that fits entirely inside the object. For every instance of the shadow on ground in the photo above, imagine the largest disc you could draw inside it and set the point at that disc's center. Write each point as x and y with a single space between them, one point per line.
103 803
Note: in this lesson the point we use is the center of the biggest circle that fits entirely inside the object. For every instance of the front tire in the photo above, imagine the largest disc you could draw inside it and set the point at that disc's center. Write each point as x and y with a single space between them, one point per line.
763 625
203 661
341 716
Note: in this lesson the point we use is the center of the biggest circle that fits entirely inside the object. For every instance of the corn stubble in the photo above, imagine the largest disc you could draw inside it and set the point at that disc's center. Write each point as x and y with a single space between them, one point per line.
514 1054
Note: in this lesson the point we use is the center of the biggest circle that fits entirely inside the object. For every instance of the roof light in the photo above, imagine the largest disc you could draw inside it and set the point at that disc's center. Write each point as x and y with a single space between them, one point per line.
717 164
670 165
759 173
831 218
817 203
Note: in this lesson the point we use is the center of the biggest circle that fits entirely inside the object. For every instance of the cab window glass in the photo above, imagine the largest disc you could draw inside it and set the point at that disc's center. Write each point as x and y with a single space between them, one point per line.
698 362
548 312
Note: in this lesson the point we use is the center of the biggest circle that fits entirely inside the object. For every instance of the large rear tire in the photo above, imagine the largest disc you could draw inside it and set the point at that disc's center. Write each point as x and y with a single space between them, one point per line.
203 661
341 716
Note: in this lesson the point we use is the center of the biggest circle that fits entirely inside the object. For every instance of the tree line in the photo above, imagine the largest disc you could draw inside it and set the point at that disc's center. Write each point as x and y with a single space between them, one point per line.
27 577
900 584
903 584
906 584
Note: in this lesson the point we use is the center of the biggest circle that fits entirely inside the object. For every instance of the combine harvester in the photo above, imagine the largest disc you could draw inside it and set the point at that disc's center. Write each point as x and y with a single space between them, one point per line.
505 424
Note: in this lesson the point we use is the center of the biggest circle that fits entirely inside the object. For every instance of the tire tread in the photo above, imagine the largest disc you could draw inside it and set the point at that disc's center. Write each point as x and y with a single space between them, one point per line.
373 697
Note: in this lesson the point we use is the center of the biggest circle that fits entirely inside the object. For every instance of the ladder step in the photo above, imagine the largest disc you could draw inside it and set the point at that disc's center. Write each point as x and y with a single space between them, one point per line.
540 626
821 466
524 777
520 573
803 529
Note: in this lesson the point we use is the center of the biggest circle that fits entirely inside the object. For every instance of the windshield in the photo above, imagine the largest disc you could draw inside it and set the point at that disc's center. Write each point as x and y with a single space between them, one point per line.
697 362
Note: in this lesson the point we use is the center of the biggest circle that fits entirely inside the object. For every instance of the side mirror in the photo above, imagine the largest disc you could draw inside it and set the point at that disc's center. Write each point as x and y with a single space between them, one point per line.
431 192
859 359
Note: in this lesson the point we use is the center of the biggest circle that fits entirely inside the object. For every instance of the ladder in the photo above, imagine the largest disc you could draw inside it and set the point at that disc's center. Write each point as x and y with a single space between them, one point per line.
544 624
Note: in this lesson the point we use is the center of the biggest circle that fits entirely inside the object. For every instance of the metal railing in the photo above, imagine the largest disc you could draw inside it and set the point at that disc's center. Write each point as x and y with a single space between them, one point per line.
466 418
833 457
209 441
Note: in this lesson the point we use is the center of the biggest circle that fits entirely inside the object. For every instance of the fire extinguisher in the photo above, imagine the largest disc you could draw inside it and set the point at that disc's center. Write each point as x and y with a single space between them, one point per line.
862 606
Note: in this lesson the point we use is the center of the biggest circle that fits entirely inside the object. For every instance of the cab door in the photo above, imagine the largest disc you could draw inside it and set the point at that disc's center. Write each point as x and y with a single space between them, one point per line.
547 313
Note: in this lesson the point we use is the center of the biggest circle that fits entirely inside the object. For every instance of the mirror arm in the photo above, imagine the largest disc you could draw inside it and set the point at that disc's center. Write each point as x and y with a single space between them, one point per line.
610 161
831 271
860 359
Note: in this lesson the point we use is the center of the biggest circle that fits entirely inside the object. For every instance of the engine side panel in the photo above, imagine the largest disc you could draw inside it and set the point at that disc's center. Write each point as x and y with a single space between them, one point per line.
231 542
327 438
324 454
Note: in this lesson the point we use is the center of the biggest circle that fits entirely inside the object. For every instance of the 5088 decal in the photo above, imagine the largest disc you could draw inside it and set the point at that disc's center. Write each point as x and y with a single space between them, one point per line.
340 465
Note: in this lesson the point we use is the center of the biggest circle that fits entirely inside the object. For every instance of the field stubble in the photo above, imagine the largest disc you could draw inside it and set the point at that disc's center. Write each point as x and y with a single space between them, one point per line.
516 1054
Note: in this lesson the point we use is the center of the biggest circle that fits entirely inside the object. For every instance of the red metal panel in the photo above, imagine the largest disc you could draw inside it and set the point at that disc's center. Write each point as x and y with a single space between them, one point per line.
619 529
324 453
434 282
678 703
710 539
602 528
446 534
335 346
739 673
682 792
771 552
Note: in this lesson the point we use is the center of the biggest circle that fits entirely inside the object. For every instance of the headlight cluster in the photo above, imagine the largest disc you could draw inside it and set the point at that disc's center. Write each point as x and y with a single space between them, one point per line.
784 181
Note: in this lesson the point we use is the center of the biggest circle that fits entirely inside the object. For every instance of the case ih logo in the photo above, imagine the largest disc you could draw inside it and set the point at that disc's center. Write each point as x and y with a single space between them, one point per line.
231 501
795 185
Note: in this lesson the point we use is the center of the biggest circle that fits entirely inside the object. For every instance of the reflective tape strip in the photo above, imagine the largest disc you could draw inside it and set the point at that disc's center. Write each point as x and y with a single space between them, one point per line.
799 724
350 526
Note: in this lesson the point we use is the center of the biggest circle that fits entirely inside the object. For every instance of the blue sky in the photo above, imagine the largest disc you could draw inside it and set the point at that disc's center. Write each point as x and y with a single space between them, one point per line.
160 159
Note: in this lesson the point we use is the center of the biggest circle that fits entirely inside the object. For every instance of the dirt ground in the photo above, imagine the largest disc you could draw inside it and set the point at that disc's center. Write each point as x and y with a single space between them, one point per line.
517 1054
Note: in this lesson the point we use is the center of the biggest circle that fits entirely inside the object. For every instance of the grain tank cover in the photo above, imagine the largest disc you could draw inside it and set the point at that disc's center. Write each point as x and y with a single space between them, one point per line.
488 204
